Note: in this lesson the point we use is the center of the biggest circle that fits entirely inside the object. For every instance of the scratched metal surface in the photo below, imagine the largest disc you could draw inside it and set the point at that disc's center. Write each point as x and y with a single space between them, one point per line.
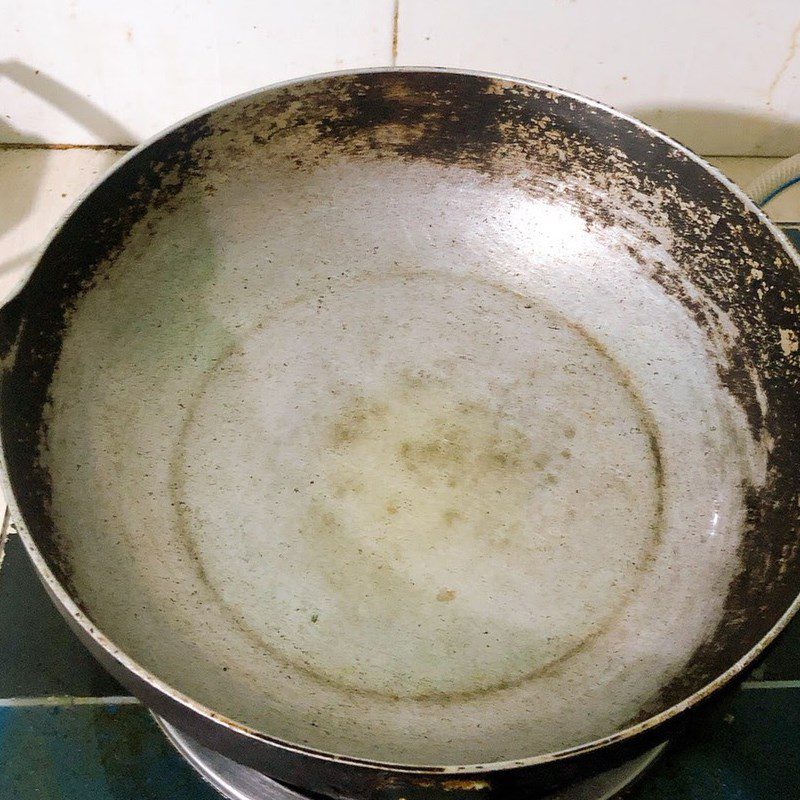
487 233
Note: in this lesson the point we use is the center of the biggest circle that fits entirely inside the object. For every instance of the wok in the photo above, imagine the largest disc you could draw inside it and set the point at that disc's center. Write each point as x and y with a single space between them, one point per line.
405 432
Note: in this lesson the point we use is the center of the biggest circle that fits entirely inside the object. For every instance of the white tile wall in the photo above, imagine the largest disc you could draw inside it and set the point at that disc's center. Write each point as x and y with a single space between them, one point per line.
106 71
723 77
38 187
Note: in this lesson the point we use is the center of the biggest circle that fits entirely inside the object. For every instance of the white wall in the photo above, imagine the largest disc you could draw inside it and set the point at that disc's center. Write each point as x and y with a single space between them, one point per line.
723 77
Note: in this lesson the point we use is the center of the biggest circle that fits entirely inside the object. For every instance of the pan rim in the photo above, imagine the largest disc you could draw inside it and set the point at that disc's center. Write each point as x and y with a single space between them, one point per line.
68 605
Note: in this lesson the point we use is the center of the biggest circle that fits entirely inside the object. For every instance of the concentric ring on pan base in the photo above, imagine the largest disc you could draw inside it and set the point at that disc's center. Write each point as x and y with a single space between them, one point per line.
394 482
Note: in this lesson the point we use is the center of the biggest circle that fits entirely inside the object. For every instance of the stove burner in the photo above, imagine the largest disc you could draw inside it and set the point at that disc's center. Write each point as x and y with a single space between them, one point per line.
237 782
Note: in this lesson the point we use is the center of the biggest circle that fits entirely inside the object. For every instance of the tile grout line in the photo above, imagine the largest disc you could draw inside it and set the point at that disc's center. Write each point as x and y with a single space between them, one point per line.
33 702
795 684
395 30
753 157
127 700
120 148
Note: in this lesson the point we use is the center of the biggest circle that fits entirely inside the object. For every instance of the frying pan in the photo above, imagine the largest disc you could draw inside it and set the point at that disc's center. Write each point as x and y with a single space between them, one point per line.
402 432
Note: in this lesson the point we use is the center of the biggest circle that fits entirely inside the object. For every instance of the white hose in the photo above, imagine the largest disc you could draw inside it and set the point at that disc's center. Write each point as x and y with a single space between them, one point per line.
775 180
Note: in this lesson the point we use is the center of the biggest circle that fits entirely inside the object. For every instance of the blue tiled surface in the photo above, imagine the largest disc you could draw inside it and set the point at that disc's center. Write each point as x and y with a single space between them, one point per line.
794 236
39 655
748 749
100 752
